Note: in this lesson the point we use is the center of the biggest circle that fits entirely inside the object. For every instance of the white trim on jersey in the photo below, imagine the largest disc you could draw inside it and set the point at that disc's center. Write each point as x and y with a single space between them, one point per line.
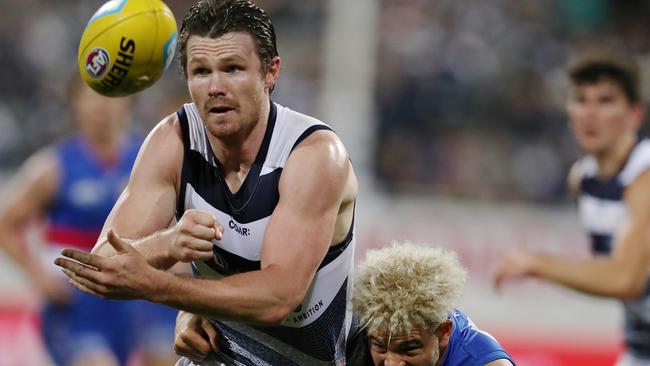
289 126
638 162
601 216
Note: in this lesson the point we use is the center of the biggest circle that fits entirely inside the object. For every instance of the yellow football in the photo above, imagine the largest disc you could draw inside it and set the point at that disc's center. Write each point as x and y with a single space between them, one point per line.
126 46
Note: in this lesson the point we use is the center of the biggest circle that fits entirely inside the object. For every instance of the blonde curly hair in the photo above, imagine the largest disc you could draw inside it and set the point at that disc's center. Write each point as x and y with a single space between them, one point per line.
406 286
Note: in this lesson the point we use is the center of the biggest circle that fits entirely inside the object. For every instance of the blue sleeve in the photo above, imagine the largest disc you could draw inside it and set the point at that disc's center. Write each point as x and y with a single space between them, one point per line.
482 348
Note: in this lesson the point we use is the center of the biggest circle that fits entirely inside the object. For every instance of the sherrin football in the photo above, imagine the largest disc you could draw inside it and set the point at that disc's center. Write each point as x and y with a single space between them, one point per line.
126 46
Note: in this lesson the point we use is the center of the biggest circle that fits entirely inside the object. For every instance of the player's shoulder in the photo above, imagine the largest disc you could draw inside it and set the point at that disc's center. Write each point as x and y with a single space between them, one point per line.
40 174
44 161
637 164
168 130
311 129
476 342
316 136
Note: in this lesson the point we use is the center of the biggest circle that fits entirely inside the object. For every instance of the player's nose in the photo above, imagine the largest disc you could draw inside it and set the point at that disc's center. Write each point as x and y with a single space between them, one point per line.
393 359
216 85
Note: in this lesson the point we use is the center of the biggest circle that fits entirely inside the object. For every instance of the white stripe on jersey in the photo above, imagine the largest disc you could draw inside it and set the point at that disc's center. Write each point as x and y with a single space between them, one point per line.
601 216
638 162
232 241
275 345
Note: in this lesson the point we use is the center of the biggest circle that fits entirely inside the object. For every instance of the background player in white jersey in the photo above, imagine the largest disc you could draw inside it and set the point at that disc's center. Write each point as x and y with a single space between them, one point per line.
404 297
264 202
612 184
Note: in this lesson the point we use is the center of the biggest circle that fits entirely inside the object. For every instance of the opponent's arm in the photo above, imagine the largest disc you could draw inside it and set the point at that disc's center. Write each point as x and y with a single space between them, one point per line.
623 274
296 240
146 207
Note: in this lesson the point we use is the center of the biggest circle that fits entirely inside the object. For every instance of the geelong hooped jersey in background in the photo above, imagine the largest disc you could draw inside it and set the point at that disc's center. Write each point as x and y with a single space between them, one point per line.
315 332
603 212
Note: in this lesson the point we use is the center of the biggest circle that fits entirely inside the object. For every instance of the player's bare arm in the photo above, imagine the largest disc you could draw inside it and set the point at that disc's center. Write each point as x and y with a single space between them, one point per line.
499 362
622 275
573 179
299 234
26 198
146 208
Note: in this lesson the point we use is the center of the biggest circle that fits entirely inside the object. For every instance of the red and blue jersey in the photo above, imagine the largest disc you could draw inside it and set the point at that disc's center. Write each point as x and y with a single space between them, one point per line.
87 191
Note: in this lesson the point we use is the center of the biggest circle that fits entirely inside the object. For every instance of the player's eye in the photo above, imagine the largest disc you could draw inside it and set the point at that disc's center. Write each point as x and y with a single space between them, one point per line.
379 348
200 71
606 99
232 68
412 351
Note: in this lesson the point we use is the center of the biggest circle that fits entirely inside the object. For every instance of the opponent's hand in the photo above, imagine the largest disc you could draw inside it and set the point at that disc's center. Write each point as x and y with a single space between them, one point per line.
123 276
516 263
194 337
193 236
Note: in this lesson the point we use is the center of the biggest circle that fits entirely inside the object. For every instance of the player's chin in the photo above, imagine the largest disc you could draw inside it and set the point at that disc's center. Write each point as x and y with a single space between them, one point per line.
589 143
221 128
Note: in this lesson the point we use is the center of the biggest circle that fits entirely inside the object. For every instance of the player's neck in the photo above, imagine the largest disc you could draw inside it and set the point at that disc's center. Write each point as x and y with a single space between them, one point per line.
611 161
106 150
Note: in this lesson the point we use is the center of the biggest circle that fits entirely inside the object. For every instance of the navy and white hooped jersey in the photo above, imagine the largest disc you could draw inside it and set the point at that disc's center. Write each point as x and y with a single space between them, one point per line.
602 211
315 332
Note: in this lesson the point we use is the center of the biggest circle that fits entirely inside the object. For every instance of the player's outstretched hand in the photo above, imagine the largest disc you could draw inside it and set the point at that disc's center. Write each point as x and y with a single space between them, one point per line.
194 337
193 236
516 263
123 276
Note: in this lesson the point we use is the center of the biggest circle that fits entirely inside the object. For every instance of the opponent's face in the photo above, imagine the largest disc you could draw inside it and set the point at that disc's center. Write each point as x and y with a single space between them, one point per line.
419 347
600 114
99 117
226 81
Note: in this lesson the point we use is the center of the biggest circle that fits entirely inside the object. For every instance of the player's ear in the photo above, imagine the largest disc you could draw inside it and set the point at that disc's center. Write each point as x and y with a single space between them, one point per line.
443 332
639 114
272 73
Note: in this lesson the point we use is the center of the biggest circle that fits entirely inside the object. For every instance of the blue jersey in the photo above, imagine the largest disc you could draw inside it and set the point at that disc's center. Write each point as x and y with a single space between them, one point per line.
470 346
87 191
603 212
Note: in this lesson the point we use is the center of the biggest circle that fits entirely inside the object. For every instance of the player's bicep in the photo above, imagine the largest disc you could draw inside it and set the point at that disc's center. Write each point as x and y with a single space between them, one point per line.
148 202
632 245
311 187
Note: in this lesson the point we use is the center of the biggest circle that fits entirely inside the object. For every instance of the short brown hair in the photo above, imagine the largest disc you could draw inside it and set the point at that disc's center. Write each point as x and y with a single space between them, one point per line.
214 18
623 71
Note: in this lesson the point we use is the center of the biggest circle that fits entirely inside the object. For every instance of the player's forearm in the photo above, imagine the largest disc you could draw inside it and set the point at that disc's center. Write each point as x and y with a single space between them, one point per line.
16 248
259 297
600 276
155 249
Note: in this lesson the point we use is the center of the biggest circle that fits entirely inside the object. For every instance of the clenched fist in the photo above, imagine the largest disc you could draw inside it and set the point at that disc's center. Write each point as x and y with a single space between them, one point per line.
193 235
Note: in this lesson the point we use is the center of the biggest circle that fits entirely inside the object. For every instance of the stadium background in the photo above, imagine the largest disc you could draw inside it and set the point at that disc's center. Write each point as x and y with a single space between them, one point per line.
453 114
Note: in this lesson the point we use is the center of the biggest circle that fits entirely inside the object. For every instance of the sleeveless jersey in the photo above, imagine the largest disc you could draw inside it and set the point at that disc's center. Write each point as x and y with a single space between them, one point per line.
315 332
602 212
470 346
88 189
